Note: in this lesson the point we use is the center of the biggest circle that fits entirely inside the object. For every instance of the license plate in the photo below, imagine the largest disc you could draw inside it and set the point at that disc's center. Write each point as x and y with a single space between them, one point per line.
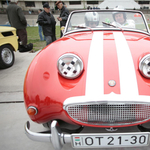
110 140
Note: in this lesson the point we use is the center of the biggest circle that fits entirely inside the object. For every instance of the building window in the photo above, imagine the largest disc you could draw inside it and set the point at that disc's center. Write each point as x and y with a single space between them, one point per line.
143 2
30 4
4 2
74 2
44 2
92 2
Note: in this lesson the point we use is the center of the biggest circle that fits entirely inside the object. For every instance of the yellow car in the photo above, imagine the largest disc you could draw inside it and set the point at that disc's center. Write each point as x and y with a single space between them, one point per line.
8 44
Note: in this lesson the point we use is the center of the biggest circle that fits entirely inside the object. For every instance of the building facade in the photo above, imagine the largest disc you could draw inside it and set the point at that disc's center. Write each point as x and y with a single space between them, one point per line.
27 5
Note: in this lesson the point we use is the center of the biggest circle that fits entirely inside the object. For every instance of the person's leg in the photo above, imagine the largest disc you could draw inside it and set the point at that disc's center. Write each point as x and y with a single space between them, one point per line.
48 40
44 38
22 34
23 46
40 32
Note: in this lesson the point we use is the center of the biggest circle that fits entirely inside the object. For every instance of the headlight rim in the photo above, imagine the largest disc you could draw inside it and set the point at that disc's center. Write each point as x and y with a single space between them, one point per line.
70 55
141 65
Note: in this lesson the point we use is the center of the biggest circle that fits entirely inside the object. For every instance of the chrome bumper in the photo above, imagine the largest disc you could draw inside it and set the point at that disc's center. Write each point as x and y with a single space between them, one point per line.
56 137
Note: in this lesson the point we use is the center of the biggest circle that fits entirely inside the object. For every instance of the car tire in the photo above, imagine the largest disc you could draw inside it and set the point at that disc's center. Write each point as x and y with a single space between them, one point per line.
7 57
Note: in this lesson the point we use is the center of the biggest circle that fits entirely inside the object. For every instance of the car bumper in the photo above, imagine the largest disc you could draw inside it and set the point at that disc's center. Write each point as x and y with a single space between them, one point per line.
58 139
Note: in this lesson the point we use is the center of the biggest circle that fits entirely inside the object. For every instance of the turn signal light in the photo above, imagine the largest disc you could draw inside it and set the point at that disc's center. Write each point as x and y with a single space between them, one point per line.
32 111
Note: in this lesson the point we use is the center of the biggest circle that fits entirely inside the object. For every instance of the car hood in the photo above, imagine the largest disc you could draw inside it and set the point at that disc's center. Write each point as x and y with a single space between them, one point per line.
112 56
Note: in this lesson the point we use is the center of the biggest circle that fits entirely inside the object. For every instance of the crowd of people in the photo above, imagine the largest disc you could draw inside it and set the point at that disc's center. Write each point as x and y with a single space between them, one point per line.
46 22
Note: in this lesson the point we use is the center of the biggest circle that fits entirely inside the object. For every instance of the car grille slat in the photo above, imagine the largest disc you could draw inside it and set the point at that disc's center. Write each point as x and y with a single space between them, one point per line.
109 114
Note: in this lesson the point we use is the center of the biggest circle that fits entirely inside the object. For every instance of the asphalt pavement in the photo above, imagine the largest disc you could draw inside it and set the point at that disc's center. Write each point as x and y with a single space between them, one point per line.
13 115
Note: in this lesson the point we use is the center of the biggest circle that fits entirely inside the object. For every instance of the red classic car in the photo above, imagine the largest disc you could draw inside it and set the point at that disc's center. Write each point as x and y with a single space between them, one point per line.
98 76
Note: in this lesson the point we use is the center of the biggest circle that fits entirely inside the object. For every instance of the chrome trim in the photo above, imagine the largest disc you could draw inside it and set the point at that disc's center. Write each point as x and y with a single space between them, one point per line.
57 137
106 29
141 65
7 55
106 114
109 98
36 136
111 129
111 83
75 58
33 108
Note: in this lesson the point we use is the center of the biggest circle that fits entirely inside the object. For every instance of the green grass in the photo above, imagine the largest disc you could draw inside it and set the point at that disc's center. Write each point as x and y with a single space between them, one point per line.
33 37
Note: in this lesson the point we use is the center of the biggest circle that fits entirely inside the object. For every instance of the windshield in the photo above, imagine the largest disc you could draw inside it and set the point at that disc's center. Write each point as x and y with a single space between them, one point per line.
101 19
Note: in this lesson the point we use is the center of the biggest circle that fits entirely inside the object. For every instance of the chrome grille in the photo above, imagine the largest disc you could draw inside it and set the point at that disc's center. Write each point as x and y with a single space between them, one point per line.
110 114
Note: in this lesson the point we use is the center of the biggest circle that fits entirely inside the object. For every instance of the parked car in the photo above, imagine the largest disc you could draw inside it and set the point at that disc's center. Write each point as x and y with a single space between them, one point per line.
8 44
96 76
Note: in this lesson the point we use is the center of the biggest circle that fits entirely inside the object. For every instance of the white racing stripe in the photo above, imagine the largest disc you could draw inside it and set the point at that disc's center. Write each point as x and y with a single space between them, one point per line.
128 81
94 81
95 76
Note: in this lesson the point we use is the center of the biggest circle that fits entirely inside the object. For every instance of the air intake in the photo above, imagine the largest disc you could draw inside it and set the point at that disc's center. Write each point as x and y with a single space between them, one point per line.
110 114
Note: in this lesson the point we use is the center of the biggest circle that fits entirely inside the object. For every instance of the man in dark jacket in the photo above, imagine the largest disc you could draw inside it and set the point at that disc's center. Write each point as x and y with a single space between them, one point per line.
63 14
47 21
17 20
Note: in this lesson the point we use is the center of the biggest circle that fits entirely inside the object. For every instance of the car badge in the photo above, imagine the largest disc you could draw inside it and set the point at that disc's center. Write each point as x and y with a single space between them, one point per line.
112 83
111 129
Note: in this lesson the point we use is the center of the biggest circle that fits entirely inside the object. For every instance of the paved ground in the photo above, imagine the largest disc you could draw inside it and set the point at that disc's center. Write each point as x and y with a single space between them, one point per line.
13 114
12 111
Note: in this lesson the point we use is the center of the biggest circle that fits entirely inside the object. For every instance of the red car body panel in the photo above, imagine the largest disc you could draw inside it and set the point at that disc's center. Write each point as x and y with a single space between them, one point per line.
47 90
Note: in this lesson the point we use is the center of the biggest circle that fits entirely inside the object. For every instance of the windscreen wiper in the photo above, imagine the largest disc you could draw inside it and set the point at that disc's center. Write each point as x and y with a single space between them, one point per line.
83 27
108 24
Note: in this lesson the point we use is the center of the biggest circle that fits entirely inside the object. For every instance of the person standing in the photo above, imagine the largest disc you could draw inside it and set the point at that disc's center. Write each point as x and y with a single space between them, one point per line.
63 14
47 21
40 28
17 20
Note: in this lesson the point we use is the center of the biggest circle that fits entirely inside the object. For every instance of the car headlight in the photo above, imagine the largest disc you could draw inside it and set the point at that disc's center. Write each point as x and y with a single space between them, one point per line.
144 66
70 66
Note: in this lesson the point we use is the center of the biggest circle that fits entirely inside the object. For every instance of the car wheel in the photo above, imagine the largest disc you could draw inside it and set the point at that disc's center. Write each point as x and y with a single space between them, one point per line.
7 57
